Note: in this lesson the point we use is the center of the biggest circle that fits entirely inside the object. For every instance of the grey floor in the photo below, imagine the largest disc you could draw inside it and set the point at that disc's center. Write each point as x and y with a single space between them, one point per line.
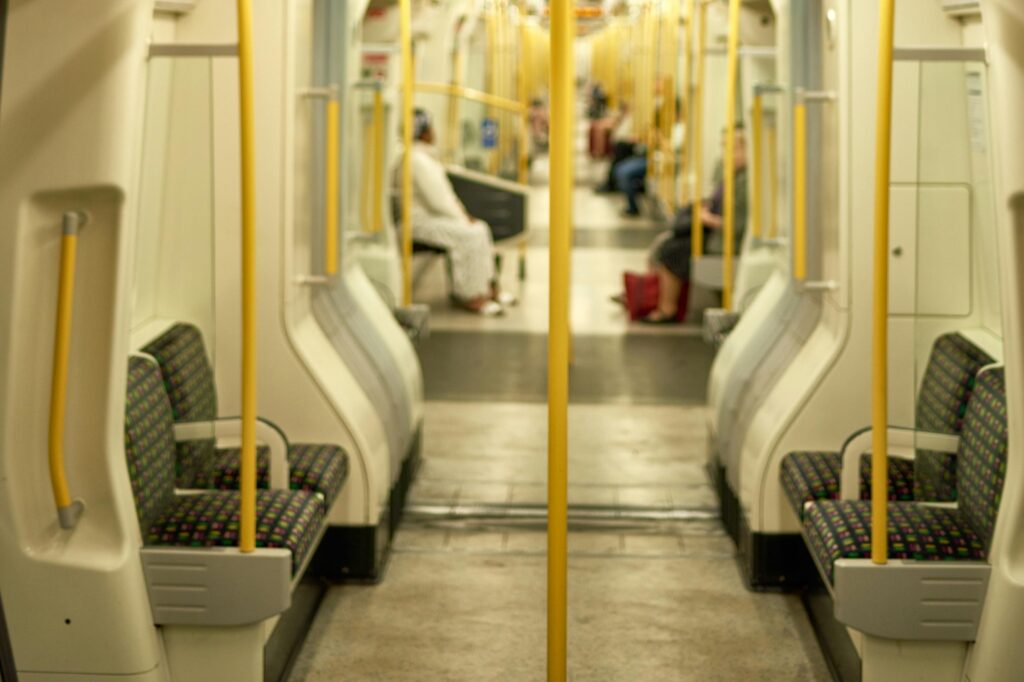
654 589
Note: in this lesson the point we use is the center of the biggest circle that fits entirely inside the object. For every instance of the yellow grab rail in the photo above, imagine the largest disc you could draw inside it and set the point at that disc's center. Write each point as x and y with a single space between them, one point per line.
729 162
562 109
880 337
697 200
800 188
68 511
378 160
472 95
331 213
247 477
757 123
408 77
773 183
522 85
684 189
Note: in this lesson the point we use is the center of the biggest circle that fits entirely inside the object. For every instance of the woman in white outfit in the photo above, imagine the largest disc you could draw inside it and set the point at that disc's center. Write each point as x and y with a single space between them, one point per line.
440 219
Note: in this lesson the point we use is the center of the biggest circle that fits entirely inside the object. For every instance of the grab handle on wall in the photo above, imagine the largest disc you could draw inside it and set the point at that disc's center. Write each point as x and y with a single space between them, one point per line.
68 510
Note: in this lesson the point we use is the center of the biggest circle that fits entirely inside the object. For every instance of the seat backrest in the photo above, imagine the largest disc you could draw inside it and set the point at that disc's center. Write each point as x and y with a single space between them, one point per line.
148 440
188 380
981 459
942 401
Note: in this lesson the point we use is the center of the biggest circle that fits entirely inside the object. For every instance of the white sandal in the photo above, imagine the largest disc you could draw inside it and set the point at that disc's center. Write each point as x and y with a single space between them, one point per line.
490 309
507 299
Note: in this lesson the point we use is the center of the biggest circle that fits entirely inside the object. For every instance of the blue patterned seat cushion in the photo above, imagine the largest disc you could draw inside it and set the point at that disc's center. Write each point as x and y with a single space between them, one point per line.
189 381
946 388
312 468
284 519
841 529
810 476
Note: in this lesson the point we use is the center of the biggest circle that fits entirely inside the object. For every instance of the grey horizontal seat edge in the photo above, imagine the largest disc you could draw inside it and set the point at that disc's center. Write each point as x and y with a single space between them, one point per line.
911 600
216 586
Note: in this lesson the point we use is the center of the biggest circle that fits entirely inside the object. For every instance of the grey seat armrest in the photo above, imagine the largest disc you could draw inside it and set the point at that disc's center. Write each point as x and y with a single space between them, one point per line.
911 600
267 433
902 443
216 586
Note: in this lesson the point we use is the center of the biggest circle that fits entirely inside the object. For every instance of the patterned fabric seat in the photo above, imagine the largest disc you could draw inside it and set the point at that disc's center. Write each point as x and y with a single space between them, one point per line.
837 529
941 403
285 519
188 379
809 476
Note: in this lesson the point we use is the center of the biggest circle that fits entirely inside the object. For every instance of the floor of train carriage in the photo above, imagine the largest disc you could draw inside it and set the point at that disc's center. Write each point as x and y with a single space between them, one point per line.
654 591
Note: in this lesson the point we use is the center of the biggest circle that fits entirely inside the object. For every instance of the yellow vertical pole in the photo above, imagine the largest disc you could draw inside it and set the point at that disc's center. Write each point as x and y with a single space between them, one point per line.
524 99
453 134
331 188
697 138
408 78
773 182
729 162
880 337
562 104
757 114
800 188
492 79
684 190
378 159
247 476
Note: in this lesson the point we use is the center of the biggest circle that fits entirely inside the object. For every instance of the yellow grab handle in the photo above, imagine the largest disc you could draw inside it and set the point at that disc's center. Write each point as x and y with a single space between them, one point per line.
68 511
247 477
729 163
773 183
378 160
685 191
757 116
880 336
331 188
800 189
408 77
562 137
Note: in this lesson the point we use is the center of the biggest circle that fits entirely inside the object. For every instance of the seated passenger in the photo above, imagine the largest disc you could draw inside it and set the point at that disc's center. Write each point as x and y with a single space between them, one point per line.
671 260
624 144
630 175
440 220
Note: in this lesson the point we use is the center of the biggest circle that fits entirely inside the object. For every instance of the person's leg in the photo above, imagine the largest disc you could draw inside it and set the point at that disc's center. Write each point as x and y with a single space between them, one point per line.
669 289
629 178
620 152
471 251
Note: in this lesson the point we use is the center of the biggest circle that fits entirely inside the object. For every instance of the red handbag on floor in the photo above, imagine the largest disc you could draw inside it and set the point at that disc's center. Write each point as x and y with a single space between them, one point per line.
642 294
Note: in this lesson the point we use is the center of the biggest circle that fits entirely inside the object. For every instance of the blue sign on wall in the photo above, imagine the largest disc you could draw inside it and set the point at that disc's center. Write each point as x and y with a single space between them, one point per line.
489 133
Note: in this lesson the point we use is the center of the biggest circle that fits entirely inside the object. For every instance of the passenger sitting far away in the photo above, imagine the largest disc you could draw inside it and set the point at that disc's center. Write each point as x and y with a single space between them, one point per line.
440 220
671 260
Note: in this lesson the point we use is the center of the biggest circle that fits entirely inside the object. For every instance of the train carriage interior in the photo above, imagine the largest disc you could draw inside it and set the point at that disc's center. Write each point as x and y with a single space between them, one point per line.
511 340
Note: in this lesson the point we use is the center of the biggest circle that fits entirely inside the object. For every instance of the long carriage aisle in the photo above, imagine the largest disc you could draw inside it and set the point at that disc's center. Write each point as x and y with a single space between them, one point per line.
655 593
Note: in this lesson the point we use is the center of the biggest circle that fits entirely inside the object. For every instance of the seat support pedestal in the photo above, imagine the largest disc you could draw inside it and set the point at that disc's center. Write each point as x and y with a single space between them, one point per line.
214 654
893 659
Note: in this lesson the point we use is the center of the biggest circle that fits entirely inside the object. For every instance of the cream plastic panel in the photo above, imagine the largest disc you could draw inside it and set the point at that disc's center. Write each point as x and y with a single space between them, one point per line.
75 600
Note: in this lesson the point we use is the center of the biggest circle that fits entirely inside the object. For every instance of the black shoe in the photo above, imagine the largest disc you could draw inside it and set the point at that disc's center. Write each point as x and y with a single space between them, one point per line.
627 213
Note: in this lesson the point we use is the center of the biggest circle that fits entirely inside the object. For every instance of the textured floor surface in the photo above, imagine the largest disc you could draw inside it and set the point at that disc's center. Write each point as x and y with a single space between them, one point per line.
654 589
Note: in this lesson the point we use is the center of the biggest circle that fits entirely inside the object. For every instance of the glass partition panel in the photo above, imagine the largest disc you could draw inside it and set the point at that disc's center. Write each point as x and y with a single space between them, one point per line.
944 263
174 249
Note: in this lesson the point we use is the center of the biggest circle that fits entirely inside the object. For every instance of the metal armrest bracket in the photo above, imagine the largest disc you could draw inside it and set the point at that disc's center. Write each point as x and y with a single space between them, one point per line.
267 433
902 443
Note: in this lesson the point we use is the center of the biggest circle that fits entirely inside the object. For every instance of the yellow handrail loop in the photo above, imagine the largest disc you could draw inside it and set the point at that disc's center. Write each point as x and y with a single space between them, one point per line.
331 188
880 336
378 159
247 477
800 187
562 109
472 95
68 510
